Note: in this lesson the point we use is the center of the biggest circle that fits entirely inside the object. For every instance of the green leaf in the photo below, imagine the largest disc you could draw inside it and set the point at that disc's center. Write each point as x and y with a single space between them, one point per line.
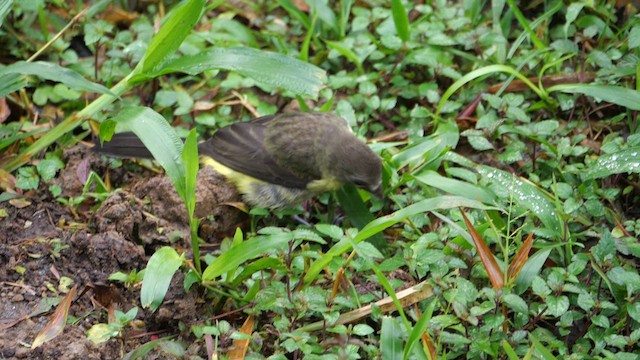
419 329
142 350
258 265
390 338
333 231
379 224
362 330
296 13
634 311
157 276
400 19
525 194
613 94
352 204
346 52
174 30
557 305
240 253
266 68
429 148
10 83
531 269
5 8
455 187
53 72
48 168
546 354
159 137
516 303
191 165
624 161
454 339
634 37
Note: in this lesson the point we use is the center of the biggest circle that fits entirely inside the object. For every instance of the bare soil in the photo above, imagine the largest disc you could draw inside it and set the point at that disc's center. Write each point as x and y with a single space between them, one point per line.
46 241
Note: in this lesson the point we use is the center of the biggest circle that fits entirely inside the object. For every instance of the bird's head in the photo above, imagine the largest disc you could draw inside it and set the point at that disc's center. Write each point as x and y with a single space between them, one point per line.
356 164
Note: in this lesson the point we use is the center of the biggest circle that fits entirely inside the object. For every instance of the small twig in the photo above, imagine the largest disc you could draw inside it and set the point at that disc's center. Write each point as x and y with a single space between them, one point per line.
58 35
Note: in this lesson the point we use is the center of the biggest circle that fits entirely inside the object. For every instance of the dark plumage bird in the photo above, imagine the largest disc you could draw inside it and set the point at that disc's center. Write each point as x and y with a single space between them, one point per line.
280 160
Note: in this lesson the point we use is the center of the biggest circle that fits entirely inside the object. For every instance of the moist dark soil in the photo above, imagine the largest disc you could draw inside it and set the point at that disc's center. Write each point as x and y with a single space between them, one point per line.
43 243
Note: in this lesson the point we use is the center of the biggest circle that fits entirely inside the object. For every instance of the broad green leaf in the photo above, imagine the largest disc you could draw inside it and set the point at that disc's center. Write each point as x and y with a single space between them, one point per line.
267 68
240 253
525 194
614 94
381 223
52 72
557 305
516 303
157 276
455 187
159 137
391 338
624 161
174 30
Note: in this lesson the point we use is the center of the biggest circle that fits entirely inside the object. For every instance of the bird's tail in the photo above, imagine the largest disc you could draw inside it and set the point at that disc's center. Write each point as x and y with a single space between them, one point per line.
123 145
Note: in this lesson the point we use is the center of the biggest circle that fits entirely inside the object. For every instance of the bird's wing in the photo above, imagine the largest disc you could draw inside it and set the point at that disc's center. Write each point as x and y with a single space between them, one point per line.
241 147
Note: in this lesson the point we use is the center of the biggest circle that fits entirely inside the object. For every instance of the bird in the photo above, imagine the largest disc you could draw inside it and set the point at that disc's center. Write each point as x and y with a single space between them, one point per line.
281 160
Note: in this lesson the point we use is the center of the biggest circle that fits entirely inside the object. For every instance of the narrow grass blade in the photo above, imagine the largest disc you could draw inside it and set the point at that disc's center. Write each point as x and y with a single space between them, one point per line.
613 94
400 19
174 30
296 13
5 8
53 72
542 350
419 329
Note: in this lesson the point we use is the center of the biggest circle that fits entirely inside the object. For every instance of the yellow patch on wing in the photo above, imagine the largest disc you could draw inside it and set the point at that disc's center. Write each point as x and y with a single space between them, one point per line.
326 184
241 181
